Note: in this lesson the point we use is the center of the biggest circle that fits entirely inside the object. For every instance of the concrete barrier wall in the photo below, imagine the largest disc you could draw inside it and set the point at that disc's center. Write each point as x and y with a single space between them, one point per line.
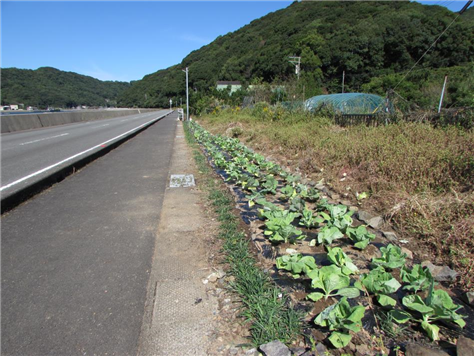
13 123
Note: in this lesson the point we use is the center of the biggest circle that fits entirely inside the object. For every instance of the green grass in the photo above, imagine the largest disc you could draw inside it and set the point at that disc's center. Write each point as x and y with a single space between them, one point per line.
266 307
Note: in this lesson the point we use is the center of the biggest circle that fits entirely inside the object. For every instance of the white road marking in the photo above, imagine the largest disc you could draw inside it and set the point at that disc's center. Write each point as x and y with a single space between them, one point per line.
43 139
104 125
72 157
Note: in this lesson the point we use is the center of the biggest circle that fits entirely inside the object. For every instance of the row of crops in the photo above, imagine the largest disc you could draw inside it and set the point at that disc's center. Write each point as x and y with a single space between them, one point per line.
296 214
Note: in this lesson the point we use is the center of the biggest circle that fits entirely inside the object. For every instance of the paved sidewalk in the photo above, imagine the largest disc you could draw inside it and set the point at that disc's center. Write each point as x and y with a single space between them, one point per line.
179 314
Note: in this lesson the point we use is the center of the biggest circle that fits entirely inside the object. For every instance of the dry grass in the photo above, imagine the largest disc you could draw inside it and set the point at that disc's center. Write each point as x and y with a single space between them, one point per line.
418 176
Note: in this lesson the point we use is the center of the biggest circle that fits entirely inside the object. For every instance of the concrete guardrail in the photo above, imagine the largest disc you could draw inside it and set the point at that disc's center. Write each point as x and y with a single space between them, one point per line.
19 122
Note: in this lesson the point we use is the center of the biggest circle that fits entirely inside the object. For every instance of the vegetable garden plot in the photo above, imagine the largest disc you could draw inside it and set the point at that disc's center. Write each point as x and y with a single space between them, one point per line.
322 250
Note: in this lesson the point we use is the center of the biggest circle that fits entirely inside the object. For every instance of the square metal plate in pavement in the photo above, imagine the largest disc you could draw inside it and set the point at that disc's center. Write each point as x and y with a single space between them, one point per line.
182 180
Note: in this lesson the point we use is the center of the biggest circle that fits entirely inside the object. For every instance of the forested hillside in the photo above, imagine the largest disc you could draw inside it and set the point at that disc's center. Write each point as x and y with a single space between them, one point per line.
375 43
51 87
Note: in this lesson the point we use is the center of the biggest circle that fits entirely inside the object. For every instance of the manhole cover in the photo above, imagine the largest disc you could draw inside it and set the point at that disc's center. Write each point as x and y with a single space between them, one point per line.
181 180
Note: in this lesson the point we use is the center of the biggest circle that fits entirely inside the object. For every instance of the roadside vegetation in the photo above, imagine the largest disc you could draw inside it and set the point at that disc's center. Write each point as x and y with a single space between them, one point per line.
266 308
420 177
290 215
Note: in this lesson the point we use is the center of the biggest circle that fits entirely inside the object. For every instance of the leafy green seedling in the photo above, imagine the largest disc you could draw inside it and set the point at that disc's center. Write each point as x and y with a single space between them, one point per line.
279 228
337 257
392 257
297 264
418 278
219 160
292 180
332 281
309 220
437 306
270 184
241 161
360 236
340 217
341 318
287 192
297 204
328 234
380 283
253 170
322 205
267 208
272 168
252 198
308 194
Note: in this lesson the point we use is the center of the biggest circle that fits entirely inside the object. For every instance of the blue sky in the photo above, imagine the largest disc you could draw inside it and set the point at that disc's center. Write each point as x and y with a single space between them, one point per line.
119 40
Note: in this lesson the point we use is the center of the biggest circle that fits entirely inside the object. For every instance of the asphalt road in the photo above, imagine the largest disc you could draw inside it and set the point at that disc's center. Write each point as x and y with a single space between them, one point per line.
76 259
29 156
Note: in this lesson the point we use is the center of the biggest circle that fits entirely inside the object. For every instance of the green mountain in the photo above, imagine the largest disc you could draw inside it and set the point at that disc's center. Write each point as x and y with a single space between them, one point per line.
48 86
368 40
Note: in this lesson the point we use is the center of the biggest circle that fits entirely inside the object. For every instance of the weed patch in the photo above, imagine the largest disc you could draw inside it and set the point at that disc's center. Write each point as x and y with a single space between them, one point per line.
266 307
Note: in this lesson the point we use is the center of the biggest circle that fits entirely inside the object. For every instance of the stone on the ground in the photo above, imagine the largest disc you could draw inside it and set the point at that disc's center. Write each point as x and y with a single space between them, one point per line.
375 222
469 298
319 186
252 352
298 351
465 346
418 350
212 277
321 350
407 252
275 348
440 273
363 350
364 216
353 208
391 236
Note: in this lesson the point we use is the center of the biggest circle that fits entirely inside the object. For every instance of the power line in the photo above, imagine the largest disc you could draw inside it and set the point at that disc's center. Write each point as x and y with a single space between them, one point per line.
435 41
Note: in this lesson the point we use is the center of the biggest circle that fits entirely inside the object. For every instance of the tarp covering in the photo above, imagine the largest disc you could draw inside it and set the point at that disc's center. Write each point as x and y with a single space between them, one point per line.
348 103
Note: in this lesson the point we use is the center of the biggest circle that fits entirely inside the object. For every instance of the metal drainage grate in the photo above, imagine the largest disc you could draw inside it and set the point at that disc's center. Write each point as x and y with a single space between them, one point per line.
182 180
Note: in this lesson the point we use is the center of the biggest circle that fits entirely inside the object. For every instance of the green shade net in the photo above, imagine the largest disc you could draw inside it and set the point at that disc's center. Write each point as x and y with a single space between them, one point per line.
348 103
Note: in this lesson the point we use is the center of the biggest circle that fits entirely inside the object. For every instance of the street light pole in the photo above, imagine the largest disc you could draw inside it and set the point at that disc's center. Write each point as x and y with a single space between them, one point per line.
187 93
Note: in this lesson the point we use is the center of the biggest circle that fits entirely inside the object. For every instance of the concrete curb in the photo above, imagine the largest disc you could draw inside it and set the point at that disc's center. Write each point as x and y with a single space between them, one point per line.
12 200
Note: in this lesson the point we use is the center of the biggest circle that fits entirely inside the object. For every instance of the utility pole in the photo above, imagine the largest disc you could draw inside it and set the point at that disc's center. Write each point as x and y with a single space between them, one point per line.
187 92
442 94
465 7
343 78
297 62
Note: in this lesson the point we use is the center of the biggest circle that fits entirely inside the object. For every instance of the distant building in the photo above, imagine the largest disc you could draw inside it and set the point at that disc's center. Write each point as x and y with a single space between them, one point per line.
223 85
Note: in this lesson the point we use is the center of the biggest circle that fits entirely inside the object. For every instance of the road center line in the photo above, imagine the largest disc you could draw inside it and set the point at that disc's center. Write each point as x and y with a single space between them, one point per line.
74 156
42 139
